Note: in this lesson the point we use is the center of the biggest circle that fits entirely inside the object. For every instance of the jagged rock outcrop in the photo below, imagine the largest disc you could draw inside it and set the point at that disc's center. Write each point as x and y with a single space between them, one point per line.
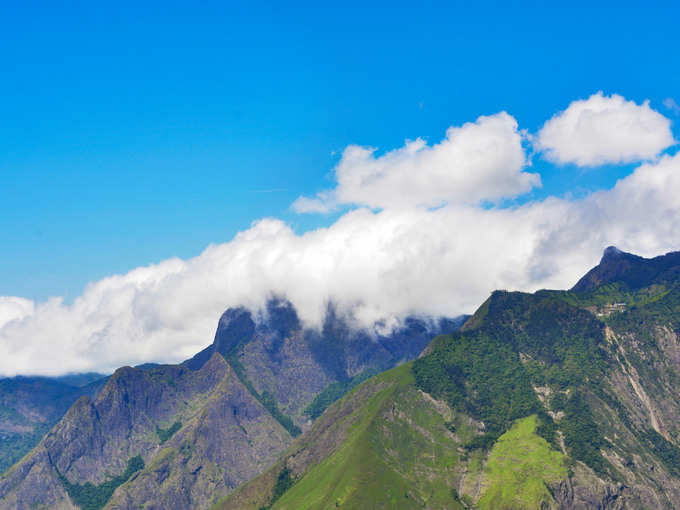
630 270
281 358
231 439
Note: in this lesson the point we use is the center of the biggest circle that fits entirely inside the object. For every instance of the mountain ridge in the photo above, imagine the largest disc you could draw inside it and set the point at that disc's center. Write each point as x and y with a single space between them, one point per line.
599 383
133 443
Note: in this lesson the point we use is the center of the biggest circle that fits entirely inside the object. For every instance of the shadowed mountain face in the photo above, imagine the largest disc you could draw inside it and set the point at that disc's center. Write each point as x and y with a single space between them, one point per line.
558 399
287 366
30 406
182 436
630 271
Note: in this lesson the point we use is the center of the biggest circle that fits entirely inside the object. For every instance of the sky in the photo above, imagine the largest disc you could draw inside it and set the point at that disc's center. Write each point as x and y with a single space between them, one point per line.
160 163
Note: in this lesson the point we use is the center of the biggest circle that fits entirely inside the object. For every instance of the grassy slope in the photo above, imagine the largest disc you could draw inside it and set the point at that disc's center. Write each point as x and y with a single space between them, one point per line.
398 452
395 451
521 465
397 455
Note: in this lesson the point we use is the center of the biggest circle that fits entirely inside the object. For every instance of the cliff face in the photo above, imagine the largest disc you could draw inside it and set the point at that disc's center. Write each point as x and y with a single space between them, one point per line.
558 399
231 439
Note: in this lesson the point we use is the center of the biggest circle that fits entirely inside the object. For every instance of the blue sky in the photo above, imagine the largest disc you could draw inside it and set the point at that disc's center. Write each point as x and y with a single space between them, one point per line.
130 135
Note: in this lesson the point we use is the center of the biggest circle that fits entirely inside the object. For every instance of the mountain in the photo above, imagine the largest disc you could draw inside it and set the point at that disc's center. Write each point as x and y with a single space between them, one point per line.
297 372
629 271
182 436
220 428
557 399
30 406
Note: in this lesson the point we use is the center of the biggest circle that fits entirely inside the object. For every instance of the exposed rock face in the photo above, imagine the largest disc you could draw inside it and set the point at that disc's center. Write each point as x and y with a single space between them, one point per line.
96 438
280 357
226 437
229 441
33 484
632 270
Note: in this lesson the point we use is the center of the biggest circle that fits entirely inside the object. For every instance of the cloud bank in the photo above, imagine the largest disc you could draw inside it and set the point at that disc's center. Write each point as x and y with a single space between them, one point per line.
382 261
14 308
479 161
604 129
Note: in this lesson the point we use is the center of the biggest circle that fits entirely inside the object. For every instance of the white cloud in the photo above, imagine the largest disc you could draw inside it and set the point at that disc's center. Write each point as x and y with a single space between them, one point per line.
323 203
604 129
14 308
481 160
382 264
672 105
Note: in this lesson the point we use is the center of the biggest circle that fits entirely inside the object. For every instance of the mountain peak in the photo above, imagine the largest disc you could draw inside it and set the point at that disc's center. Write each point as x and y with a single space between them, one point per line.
611 252
628 269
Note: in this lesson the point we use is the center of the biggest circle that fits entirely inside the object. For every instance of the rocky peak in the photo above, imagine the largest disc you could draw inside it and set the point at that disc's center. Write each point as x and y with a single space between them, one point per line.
614 265
281 317
611 252
235 326
633 271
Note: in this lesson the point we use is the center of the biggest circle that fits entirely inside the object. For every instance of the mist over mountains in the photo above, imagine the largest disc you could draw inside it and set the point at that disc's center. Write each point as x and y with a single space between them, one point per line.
556 399
424 229
226 413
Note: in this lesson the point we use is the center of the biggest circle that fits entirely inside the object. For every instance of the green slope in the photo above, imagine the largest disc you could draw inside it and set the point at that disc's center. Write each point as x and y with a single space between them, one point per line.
520 468
398 454
401 449
385 445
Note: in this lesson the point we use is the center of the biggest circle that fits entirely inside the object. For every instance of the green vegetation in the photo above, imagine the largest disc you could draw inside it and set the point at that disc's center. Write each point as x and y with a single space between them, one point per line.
479 375
665 450
615 292
398 454
93 497
582 436
334 391
283 482
266 399
15 446
165 434
518 341
641 319
520 356
521 466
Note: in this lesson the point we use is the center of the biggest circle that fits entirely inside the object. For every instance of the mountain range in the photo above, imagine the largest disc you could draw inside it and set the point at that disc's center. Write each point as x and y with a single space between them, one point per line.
182 436
557 399
30 406
546 400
